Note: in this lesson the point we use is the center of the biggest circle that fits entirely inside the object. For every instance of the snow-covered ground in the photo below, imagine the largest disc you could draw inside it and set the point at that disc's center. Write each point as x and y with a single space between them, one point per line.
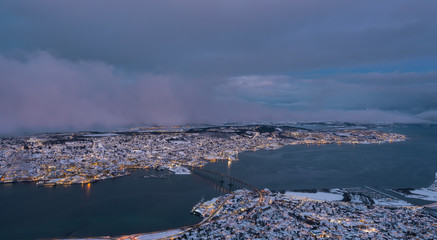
322 196
423 193
101 135
158 235
201 208
179 170
429 193
145 236
391 202
87 238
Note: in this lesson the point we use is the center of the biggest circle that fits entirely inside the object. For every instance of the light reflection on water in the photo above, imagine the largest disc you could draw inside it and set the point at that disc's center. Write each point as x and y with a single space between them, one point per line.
133 204
396 165
119 206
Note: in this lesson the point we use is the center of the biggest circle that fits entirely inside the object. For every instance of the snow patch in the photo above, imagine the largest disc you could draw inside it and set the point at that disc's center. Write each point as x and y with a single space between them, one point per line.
429 193
391 202
101 135
322 196
424 194
159 235
179 170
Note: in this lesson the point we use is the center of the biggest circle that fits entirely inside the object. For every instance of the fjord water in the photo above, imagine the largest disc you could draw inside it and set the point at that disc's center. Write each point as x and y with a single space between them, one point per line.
133 204
409 164
113 207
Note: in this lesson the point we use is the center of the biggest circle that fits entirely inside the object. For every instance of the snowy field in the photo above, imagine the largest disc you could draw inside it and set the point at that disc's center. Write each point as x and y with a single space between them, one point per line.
423 193
322 196
159 235
429 193
179 170
101 135
391 202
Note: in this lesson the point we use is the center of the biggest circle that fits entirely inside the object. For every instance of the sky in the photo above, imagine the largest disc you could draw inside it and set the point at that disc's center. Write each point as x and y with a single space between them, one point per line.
81 65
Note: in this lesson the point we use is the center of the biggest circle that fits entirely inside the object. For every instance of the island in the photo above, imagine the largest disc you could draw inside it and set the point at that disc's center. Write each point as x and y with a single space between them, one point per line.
245 213
84 157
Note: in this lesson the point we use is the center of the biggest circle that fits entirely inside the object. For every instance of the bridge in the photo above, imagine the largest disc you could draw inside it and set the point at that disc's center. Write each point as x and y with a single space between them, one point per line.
231 183
226 183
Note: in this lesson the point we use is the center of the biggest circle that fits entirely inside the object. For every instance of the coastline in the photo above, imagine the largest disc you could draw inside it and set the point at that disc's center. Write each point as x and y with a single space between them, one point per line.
78 158
208 209
255 149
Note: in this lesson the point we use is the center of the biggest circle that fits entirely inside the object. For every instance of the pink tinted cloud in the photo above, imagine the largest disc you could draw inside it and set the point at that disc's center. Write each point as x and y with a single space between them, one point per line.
45 92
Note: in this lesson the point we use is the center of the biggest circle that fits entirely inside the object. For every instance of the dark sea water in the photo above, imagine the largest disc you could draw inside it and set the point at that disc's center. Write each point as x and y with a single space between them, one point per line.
396 165
133 204
124 205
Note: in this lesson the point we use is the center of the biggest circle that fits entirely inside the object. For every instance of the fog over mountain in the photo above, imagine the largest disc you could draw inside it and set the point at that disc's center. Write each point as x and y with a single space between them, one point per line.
107 64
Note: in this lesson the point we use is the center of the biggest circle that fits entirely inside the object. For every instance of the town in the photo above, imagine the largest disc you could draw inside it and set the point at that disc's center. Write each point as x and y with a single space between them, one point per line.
245 214
84 157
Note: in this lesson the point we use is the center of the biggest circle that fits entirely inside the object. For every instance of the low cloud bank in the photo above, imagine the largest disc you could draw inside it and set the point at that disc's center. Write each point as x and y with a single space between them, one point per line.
43 92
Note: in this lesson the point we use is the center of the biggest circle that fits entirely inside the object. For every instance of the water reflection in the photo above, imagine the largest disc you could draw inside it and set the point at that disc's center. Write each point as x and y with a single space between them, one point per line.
125 205
229 167
214 183
87 189
409 164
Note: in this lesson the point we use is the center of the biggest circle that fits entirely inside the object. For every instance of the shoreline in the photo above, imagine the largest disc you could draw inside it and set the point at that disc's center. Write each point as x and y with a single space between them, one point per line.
264 147
70 170
313 195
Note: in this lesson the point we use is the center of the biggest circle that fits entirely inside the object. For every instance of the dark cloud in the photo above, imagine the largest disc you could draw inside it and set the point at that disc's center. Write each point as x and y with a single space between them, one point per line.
411 93
223 37
89 64
45 92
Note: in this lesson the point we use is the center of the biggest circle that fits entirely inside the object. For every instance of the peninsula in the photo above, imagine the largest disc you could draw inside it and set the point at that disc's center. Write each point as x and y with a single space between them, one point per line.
83 157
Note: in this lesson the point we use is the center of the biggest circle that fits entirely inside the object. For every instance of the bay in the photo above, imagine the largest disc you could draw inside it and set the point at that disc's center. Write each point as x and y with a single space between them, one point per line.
409 164
132 204
111 207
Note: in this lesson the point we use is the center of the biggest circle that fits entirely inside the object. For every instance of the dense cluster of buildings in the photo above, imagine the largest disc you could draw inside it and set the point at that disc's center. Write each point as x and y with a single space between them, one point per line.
247 214
67 158
83 157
